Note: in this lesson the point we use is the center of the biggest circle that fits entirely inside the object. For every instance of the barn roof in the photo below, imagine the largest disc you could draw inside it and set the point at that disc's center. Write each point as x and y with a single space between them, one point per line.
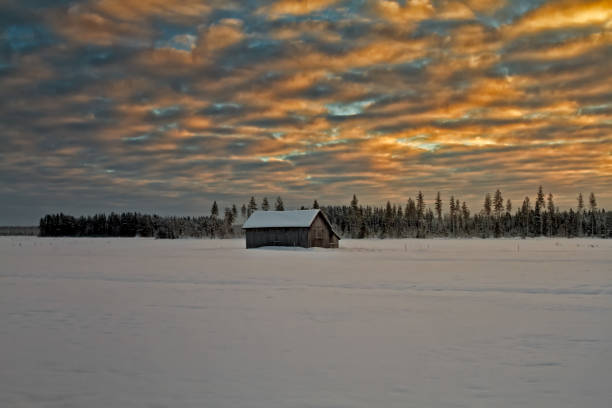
273 219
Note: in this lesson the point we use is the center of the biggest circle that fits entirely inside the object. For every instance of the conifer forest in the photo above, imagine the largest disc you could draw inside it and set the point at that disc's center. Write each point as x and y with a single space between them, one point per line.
416 218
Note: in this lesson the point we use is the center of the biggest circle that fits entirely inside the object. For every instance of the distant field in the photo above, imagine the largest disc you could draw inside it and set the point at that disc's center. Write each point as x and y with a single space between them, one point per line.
17 231
110 322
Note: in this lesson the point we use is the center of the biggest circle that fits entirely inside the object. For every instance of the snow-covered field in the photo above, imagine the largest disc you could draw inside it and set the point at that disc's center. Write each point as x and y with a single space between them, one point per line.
394 323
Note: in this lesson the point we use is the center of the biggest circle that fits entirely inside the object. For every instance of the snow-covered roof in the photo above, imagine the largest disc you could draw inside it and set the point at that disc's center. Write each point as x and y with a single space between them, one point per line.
266 219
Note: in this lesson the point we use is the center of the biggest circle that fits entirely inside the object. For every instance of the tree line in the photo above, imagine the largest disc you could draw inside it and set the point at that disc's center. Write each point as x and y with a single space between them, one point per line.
415 219
497 218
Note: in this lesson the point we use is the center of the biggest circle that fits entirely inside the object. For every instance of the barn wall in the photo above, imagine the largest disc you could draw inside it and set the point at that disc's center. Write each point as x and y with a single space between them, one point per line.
258 237
333 243
321 235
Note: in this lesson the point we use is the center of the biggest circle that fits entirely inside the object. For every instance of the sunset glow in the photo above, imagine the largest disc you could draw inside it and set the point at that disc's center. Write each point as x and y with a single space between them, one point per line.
168 105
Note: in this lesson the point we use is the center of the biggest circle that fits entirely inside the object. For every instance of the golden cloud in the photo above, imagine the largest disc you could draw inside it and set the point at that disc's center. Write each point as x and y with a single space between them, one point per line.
217 37
568 13
296 7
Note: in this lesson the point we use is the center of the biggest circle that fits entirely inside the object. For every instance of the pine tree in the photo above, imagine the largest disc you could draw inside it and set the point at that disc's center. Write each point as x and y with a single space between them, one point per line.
525 215
410 213
420 206
214 211
551 204
438 205
486 206
465 213
592 202
486 219
265 205
593 208
452 210
457 215
579 214
354 203
387 219
508 207
420 212
498 203
354 217
252 206
399 215
315 205
279 204
540 198
228 220
363 231
550 225
539 206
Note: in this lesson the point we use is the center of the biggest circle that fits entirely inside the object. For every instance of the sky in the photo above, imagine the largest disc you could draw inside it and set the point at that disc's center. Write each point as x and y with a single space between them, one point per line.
166 105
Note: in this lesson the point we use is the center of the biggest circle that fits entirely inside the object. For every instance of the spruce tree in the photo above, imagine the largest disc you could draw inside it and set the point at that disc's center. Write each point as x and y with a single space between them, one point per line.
593 208
410 213
420 213
279 204
540 197
228 220
550 204
457 216
465 212
498 203
579 214
265 205
550 225
214 211
486 210
252 207
315 205
354 217
525 216
539 207
486 206
592 202
420 206
452 210
354 203
387 220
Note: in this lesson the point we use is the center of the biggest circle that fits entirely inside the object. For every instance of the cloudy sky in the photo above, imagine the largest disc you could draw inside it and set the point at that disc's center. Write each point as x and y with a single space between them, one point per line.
165 105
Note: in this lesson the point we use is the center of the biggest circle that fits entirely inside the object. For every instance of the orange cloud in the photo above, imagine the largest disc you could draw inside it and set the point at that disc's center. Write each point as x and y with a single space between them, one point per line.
412 11
296 7
135 10
565 14
218 36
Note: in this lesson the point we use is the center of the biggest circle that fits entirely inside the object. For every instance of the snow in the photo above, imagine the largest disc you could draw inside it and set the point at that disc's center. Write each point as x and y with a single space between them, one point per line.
297 218
376 323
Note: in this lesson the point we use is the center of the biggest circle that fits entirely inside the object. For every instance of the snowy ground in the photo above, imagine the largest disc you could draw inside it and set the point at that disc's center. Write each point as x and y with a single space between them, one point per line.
394 323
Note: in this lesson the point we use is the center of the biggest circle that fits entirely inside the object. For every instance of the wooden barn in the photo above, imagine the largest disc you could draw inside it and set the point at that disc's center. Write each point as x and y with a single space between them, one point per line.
304 228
